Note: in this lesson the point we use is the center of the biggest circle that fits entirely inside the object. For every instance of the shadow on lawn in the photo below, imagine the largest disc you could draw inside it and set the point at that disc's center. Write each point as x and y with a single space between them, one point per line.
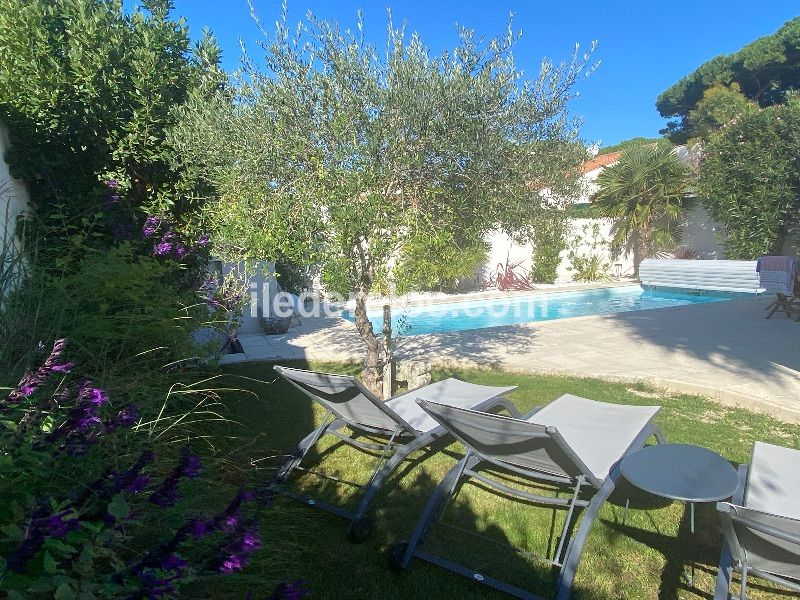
337 569
395 510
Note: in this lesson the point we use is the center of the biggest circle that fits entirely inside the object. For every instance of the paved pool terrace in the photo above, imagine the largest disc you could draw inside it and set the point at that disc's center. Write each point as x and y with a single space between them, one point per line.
725 350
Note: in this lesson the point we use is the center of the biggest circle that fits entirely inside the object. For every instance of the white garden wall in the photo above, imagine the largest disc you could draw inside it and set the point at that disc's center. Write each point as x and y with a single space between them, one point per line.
13 194
14 201
699 234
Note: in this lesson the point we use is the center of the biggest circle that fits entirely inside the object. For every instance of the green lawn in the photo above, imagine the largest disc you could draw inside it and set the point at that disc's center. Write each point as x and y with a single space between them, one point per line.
645 559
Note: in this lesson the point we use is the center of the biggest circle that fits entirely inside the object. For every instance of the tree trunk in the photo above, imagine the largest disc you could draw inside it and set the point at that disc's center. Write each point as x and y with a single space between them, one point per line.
372 375
642 248
388 369
780 240
637 254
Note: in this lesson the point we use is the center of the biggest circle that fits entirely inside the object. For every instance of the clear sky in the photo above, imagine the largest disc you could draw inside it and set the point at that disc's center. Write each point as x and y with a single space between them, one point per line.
644 46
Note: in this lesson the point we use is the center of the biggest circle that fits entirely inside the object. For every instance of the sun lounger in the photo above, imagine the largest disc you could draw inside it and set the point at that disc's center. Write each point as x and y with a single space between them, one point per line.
761 526
400 424
572 442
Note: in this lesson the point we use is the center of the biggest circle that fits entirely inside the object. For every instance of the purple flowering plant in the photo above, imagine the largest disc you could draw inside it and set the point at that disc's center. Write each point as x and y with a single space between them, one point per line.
167 243
125 531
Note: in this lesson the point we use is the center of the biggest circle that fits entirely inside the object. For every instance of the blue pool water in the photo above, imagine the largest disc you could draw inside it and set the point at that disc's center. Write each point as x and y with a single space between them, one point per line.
479 314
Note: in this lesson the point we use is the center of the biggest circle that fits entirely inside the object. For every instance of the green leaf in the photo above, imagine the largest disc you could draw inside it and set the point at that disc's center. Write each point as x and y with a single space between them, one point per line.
59 546
118 507
84 562
49 564
13 532
65 592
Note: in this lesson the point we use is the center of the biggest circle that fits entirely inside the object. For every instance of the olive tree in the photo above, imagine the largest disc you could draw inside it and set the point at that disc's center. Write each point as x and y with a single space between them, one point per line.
360 161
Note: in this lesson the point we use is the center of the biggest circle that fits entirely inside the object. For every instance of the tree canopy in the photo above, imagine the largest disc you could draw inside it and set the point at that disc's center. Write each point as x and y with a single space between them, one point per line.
87 90
362 161
749 178
625 144
763 70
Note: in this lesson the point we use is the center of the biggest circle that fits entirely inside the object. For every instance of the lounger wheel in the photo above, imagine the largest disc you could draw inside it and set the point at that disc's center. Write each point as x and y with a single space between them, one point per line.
396 553
360 530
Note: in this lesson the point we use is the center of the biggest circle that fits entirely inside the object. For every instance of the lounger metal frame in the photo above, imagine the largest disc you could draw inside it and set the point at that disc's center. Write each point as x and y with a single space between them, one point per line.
400 442
566 560
733 556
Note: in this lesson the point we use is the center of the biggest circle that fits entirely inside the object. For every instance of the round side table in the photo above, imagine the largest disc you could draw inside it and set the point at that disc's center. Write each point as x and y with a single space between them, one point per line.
681 472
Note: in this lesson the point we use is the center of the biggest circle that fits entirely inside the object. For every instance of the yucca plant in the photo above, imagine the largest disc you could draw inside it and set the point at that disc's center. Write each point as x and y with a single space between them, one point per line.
645 193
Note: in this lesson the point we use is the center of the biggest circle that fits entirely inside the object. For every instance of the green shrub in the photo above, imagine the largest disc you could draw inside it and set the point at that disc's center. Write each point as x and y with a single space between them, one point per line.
87 91
292 278
549 242
590 264
119 308
438 262
750 182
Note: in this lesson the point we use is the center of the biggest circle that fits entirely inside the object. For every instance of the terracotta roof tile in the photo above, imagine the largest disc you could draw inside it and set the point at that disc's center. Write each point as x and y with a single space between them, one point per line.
603 160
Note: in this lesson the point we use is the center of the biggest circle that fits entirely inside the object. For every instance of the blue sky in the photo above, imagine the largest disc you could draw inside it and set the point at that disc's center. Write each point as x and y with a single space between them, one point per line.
644 46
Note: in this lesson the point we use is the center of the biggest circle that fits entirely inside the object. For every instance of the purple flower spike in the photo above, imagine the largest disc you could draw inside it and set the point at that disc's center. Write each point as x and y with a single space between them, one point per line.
33 379
127 417
167 493
203 241
173 562
112 184
56 526
230 523
65 368
138 484
192 466
162 249
97 397
200 529
150 226
231 564
88 422
131 480
27 390
181 251
251 541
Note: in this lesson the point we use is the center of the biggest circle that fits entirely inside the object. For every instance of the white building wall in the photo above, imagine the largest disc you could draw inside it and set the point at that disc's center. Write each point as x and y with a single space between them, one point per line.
580 240
13 194
503 249
701 233
14 200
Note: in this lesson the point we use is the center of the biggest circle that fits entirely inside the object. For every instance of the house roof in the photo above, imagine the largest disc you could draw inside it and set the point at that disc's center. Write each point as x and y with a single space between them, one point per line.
603 160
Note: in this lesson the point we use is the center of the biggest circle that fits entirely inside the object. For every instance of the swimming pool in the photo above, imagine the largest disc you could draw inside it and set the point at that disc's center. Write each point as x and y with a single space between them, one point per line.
495 312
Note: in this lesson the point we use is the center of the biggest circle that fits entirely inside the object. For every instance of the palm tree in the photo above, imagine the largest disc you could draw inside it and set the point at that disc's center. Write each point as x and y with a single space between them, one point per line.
644 192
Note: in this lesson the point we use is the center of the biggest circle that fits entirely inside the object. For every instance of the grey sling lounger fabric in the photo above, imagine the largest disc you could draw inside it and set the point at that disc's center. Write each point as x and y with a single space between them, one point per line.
571 441
761 527
403 425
